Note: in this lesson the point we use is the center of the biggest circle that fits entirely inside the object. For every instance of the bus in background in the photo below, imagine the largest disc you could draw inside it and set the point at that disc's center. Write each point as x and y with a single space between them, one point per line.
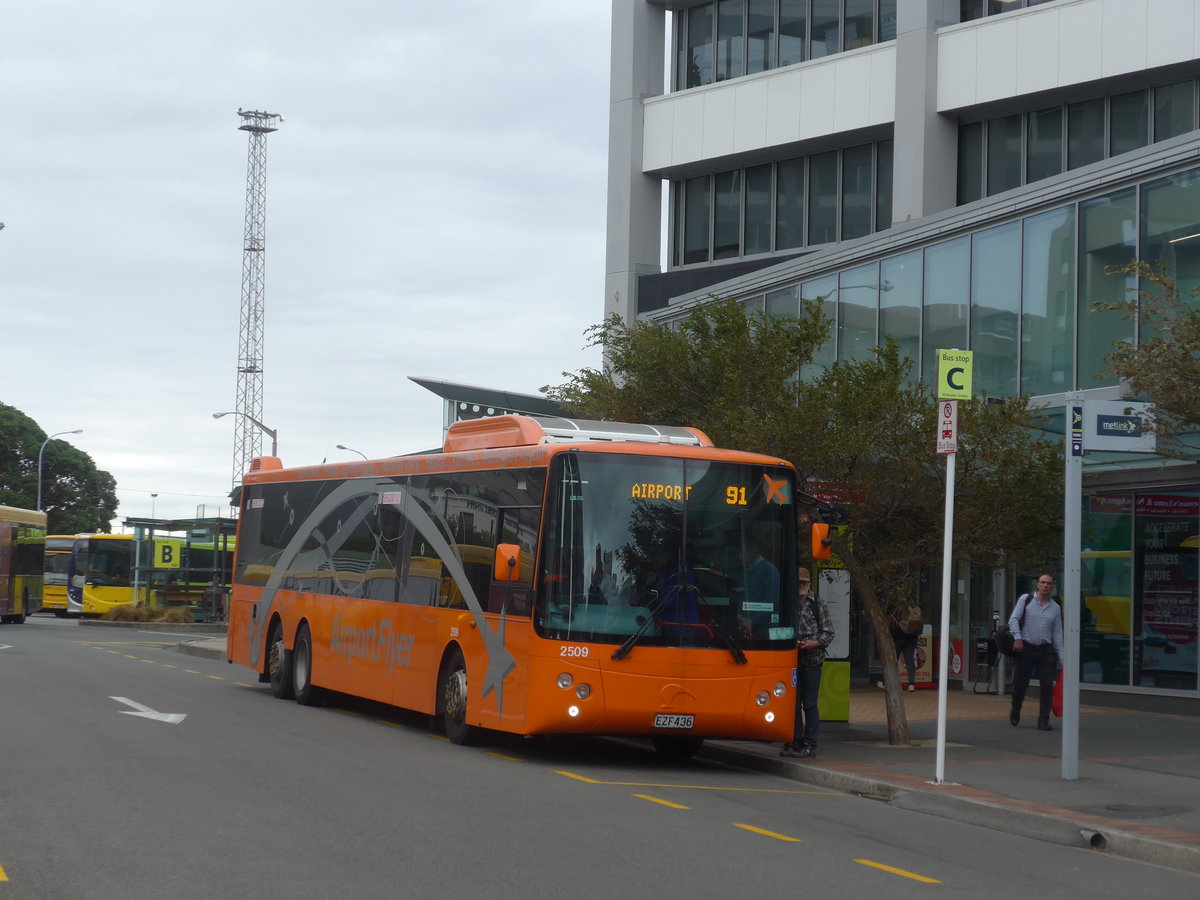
101 570
626 587
56 562
22 539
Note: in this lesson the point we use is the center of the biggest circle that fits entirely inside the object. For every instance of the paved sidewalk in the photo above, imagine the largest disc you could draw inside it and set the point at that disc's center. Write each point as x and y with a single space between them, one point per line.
1137 795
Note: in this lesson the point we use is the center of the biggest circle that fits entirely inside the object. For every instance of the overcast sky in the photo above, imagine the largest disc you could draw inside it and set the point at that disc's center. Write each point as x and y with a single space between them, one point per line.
435 207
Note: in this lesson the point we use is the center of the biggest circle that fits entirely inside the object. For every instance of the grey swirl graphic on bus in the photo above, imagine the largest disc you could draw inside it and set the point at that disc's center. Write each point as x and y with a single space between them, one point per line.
421 516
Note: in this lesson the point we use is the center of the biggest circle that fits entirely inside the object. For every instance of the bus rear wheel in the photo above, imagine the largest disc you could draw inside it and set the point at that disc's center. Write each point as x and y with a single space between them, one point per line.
279 664
452 699
676 748
306 693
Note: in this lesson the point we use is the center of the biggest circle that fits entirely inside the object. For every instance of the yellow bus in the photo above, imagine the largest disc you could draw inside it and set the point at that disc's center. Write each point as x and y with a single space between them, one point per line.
109 570
535 576
56 562
22 537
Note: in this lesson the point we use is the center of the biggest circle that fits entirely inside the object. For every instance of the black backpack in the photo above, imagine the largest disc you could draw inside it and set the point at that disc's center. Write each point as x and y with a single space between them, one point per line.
1004 637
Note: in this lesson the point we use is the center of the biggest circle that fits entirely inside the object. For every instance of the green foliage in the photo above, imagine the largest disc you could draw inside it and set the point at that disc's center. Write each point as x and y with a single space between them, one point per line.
76 496
729 374
1165 365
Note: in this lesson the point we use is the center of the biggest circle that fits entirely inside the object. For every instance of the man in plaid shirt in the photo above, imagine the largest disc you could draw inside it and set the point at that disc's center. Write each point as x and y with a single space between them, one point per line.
814 632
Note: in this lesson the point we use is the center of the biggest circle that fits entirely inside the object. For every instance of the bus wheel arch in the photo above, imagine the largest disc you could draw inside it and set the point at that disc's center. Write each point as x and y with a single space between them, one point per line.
279 661
451 701
305 692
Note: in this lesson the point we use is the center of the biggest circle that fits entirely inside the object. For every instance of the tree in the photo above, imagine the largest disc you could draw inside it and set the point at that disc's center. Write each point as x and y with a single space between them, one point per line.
76 496
1165 364
860 424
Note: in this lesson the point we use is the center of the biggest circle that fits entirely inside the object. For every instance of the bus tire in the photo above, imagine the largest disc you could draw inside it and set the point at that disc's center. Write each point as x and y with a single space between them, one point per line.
302 657
452 699
279 664
676 747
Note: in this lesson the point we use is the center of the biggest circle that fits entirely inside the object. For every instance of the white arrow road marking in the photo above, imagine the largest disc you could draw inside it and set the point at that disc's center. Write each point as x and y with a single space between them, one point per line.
5 646
146 712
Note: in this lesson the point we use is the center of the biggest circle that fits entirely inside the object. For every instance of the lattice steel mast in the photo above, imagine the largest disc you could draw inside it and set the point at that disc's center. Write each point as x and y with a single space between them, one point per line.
247 437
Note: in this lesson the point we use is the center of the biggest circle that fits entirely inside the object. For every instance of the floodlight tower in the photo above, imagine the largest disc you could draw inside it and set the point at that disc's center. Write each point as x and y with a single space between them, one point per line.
247 440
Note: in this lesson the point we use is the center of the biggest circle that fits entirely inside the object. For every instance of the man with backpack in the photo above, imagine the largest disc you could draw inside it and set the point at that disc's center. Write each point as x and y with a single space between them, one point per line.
1036 624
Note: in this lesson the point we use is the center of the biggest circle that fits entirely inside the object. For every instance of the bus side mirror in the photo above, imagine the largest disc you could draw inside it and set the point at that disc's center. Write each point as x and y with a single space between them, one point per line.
508 562
820 540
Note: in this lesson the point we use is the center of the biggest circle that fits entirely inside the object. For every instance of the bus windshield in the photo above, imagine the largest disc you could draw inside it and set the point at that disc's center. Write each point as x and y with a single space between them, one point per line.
654 551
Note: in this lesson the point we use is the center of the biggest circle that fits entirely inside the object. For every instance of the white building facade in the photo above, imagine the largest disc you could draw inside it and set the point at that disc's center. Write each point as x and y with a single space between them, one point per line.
954 174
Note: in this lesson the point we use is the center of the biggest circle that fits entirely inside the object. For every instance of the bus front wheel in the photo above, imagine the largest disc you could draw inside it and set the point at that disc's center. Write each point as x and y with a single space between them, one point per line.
452 699
279 664
306 693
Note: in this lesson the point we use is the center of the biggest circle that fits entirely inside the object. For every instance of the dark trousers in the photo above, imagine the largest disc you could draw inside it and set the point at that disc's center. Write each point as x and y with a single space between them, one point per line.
906 649
1043 657
808 721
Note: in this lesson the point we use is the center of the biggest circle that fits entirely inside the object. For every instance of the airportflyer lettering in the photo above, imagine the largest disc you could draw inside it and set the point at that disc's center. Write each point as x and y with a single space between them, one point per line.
371 644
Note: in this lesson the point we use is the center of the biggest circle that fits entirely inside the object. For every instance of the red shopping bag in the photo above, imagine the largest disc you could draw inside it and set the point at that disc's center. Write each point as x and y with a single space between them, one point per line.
1056 706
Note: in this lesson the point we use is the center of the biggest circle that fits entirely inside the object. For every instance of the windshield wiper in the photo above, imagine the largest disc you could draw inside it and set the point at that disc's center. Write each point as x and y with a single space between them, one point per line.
738 656
623 651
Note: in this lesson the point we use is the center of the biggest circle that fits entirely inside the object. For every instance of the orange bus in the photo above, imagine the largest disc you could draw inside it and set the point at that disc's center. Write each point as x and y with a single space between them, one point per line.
535 576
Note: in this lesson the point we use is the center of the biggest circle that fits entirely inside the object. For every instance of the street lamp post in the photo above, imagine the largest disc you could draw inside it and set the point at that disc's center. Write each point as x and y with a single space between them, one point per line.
42 451
352 450
270 432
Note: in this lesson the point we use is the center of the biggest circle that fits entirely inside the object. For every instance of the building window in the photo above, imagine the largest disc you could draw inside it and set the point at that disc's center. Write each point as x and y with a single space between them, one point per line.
1002 153
727 214
726 39
995 297
1085 133
695 220
823 198
947 293
1044 148
789 204
1107 237
774 207
1048 303
900 306
858 197
1174 110
758 210
1129 119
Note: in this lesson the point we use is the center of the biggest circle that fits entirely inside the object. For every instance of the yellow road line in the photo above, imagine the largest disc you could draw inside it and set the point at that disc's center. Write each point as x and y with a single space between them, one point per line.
502 756
776 835
697 787
3 876
243 684
191 671
661 801
391 724
216 677
901 872
148 661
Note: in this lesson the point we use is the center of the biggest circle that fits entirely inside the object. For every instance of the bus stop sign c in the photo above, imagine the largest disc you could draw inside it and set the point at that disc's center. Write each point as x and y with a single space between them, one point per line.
954 374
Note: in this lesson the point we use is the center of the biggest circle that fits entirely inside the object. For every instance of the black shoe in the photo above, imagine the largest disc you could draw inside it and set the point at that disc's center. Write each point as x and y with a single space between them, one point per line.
1014 718
806 752
1044 724
792 751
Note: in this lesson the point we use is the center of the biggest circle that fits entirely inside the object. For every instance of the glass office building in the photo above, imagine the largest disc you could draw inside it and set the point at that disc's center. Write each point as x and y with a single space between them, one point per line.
954 175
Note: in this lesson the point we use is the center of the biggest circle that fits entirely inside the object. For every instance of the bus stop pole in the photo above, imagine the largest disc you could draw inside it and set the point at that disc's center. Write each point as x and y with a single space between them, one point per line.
944 650
1072 510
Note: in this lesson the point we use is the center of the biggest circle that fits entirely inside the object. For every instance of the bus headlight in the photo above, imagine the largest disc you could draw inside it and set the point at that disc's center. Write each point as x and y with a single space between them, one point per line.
565 680
583 691
572 711
770 717
780 689
763 698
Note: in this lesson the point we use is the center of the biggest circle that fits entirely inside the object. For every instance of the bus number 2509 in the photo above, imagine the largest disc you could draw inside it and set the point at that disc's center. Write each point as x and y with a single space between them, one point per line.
567 650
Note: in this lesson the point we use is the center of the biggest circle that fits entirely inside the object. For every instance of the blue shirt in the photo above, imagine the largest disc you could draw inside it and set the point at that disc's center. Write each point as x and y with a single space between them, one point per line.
1043 624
